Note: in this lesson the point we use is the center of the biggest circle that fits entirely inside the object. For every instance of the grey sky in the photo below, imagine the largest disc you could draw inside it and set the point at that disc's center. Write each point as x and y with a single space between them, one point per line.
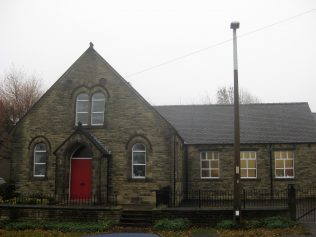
277 64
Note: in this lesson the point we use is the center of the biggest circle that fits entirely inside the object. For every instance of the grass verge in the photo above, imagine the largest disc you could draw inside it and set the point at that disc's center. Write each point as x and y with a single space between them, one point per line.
193 231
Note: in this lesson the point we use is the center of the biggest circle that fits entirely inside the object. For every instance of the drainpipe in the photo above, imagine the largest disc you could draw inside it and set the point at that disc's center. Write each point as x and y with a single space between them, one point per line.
271 171
174 170
186 169
100 178
108 178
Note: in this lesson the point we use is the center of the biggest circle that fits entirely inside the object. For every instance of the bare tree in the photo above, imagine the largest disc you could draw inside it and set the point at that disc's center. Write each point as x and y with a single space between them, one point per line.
18 92
225 95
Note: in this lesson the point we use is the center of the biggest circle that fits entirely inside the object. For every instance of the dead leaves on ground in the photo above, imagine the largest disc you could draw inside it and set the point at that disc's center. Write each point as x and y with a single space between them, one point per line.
195 231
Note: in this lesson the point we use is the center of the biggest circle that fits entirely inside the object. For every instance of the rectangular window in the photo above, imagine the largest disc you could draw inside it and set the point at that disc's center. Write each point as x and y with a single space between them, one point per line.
209 164
248 164
284 164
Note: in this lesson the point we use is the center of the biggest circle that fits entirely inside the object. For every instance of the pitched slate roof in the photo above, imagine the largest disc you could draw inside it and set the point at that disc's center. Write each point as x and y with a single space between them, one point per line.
314 114
259 123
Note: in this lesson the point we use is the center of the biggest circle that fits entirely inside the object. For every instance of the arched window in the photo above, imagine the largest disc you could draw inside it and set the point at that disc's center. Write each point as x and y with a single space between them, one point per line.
138 161
40 160
82 109
97 109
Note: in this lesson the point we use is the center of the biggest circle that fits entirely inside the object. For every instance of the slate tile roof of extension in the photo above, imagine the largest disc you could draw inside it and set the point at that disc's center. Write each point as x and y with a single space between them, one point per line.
314 114
259 123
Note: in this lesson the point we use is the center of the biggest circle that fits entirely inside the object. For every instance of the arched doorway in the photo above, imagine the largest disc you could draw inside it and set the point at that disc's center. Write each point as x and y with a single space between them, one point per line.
80 173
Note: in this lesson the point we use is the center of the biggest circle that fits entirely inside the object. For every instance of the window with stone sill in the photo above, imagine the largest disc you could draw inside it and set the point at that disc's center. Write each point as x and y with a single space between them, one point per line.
138 161
248 164
284 164
40 160
209 164
94 110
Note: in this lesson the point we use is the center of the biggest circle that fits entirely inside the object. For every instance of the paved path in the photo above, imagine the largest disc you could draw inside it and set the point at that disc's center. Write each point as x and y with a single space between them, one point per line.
310 228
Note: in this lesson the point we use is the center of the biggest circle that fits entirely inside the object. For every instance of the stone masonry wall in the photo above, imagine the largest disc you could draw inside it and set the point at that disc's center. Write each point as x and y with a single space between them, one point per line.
180 165
304 166
52 213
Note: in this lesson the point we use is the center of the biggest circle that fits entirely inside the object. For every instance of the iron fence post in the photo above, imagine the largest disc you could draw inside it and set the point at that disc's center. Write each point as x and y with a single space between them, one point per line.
244 197
199 198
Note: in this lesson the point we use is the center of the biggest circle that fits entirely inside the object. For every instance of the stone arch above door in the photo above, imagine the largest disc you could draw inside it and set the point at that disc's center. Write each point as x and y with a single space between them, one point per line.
65 151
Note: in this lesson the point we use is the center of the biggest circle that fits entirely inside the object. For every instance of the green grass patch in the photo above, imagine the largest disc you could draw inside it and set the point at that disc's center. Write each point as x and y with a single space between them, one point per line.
172 224
226 224
277 222
269 223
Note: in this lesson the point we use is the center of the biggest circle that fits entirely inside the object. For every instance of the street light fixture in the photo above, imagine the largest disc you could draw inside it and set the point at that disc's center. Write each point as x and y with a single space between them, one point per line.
235 26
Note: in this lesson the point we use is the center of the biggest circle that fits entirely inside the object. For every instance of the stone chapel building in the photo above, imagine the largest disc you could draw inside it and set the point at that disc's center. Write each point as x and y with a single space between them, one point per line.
92 133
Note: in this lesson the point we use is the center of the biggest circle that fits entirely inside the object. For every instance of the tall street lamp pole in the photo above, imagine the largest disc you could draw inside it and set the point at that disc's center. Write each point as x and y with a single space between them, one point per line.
237 204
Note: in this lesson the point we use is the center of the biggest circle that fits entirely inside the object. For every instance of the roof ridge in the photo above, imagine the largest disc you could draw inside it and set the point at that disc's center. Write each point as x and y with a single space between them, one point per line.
253 104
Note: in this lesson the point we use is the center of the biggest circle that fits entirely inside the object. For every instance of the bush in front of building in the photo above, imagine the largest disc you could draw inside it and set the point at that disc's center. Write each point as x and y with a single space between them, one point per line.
268 222
277 222
226 224
172 224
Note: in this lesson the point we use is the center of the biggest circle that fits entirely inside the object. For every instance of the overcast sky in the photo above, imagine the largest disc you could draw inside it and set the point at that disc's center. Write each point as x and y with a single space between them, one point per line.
277 62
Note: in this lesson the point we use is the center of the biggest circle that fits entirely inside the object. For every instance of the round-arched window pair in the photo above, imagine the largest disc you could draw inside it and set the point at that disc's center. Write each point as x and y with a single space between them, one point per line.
95 109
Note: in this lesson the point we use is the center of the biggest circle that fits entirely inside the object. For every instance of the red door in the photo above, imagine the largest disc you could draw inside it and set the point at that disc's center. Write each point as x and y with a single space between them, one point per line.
80 180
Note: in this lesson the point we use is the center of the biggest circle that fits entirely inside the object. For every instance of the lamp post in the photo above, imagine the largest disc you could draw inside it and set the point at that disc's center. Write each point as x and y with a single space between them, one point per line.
235 26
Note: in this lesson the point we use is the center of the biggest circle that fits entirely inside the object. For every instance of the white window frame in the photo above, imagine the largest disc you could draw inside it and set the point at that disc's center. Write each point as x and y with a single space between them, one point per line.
212 158
145 154
39 163
87 112
284 159
98 112
247 168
